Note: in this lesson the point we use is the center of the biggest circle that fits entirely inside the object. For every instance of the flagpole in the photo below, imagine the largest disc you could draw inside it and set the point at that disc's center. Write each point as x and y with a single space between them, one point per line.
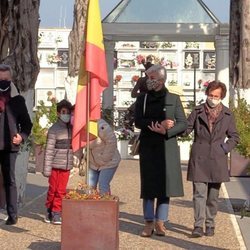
88 120
93 61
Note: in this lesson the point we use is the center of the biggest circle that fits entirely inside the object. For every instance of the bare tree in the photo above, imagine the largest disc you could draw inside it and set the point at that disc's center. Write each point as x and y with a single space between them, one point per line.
19 23
240 43
76 37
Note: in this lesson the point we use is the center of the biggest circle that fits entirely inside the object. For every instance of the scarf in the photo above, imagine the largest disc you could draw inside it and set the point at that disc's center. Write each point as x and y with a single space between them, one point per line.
4 98
212 114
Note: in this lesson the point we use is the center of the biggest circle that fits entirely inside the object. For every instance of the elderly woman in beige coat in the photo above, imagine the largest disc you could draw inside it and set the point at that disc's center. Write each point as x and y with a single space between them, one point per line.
104 158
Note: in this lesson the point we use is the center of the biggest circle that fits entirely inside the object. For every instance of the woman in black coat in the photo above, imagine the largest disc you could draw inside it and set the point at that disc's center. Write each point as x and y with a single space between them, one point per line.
160 116
215 136
15 127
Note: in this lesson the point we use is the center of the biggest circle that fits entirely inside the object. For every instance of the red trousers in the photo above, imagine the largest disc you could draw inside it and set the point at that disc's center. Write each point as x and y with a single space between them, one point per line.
57 189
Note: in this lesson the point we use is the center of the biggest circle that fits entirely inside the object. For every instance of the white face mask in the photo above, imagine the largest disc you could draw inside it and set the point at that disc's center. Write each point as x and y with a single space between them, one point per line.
65 117
213 102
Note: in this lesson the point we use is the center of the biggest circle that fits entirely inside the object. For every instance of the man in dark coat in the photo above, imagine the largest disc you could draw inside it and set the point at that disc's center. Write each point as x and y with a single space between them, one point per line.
160 116
15 127
141 84
139 88
215 136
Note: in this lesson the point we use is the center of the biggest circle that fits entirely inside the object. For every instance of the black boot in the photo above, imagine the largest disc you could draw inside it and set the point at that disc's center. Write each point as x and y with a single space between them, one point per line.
12 220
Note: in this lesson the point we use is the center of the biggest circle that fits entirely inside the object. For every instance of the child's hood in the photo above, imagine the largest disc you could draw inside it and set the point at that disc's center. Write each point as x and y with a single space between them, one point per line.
104 130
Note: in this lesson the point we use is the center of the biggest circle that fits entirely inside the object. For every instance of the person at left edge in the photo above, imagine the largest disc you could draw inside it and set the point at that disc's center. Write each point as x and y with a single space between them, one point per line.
15 127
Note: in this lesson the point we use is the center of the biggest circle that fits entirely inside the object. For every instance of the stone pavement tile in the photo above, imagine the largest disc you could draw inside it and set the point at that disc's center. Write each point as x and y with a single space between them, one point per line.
32 233
126 185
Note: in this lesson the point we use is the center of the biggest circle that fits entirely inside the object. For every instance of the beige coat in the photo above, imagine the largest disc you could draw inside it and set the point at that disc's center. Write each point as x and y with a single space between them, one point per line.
103 150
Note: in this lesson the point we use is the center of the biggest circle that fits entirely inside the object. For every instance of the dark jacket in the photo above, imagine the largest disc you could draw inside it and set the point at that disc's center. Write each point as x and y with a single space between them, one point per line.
58 151
160 166
141 86
209 160
16 119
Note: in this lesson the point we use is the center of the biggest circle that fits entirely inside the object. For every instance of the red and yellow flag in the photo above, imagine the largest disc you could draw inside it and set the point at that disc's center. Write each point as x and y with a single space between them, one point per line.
93 78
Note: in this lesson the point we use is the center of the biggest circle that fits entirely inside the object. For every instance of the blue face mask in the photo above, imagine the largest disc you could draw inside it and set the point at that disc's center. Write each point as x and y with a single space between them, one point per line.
65 118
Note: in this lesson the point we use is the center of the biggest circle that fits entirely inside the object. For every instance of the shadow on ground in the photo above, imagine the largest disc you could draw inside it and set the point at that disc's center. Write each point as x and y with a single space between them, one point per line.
41 245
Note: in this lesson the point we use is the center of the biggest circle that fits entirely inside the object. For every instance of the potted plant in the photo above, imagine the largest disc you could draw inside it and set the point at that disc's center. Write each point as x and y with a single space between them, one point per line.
185 143
95 220
240 157
44 117
123 136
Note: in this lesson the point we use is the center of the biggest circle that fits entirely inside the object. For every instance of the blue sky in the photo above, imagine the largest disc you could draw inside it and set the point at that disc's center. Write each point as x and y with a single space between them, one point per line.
59 13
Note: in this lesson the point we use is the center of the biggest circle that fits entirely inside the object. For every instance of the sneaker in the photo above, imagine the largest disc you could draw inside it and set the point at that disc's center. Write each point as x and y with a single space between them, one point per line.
197 232
48 216
56 218
209 231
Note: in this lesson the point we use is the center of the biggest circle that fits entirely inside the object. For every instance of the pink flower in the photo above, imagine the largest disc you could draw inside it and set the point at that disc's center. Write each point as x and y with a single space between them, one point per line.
205 84
140 59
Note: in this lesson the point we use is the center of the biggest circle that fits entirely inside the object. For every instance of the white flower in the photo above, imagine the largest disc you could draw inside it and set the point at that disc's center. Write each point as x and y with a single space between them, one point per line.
43 121
124 134
189 60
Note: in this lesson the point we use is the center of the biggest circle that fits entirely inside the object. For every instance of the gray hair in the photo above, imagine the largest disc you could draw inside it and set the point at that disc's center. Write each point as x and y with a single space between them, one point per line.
5 67
160 70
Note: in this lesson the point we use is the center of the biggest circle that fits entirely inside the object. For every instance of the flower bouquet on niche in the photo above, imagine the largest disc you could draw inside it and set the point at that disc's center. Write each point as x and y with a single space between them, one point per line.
54 58
117 78
134 78
140 59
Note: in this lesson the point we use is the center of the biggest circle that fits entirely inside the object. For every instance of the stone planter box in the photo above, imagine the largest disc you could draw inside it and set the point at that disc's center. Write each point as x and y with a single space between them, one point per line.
238 164
90 224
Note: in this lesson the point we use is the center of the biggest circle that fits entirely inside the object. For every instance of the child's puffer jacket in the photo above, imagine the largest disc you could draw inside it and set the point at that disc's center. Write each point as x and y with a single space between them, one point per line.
103 150
58 151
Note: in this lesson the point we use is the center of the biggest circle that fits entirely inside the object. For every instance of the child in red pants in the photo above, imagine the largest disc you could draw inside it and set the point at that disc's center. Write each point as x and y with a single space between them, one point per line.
58 161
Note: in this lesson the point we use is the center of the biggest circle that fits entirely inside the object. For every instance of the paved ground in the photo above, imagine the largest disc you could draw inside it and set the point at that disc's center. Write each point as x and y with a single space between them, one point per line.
32 233
238 190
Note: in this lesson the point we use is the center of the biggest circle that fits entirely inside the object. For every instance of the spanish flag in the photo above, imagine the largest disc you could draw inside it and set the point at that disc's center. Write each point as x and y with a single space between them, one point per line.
93 79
